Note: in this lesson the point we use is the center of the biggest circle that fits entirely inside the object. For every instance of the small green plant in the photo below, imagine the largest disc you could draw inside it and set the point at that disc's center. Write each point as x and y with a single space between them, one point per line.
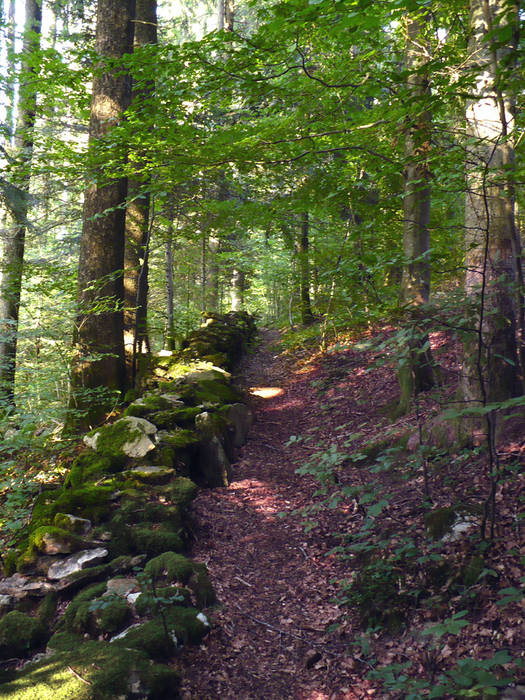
452 625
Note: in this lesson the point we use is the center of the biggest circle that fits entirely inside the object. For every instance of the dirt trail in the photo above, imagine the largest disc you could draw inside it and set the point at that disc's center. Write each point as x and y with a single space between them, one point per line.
274 582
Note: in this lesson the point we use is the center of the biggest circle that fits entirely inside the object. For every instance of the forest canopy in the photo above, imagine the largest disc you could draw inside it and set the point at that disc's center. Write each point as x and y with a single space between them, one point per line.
337 162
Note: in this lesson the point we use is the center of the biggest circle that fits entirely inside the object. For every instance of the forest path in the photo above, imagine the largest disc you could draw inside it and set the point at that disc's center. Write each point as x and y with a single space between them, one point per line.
274 581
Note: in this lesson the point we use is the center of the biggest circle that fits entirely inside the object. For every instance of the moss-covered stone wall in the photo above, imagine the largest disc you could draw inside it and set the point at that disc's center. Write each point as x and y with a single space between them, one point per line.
99 591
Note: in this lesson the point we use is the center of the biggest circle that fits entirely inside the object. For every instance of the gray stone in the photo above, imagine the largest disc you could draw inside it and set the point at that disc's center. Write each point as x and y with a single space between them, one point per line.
458 528
56 544
241 418
206 375
174 399
122 587
140 446
214 465
6 601
13 583
205 423
76 562
124 633
137 447
20 587
151 474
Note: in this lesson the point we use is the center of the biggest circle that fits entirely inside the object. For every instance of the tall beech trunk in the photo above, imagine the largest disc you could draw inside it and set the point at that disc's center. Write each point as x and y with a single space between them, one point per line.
137 219
238 283
170 308
214 245
302 246
13 246
10 75
225 12
416 373
491 367
98 334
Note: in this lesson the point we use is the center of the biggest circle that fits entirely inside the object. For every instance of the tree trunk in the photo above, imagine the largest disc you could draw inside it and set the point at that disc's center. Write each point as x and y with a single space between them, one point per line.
491 367
137 220
416 372
170 310
98 333
302 250
13 248
237 289
225 11
10 82
214 245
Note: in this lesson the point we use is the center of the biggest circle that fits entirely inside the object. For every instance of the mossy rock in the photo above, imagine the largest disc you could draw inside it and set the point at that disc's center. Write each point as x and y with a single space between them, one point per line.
183 626
149 474
121 542
148 404
47 539
174 417
218 359
50 537
148 604
136 511
89 467
176 449
72 524
181 491
111 438
171 567
439 522
85 577
68 620
102 671
160 513
106 614
19 635
217 391
154 541
90 502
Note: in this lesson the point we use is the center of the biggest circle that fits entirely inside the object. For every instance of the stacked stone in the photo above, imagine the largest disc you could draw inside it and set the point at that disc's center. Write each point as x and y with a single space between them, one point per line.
109 545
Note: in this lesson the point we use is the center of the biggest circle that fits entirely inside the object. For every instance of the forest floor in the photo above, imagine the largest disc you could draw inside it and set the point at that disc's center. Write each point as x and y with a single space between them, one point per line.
279 630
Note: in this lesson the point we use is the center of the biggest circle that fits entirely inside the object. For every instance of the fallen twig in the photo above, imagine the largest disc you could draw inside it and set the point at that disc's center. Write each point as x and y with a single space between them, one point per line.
77 675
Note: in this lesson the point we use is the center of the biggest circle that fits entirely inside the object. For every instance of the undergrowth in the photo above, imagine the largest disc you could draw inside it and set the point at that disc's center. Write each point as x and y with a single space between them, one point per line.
410 575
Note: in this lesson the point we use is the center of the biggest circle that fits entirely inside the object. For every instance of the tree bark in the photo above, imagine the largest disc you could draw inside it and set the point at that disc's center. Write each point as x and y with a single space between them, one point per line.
303 256
98 335
491 367
170 308
416 372
238 282
14 243
225 13
137 220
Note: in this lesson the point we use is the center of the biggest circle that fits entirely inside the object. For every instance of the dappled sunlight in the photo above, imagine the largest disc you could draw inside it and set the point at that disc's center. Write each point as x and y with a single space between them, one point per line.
260 495
266 392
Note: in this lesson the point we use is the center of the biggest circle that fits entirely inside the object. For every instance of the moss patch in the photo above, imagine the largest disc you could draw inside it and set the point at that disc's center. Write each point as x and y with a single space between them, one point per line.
102 672
160 637
89 467
19 634
171 567
112 438
153 542
91 502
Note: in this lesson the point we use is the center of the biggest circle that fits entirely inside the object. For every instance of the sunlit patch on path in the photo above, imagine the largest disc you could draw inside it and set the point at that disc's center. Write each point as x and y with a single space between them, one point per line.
266 392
